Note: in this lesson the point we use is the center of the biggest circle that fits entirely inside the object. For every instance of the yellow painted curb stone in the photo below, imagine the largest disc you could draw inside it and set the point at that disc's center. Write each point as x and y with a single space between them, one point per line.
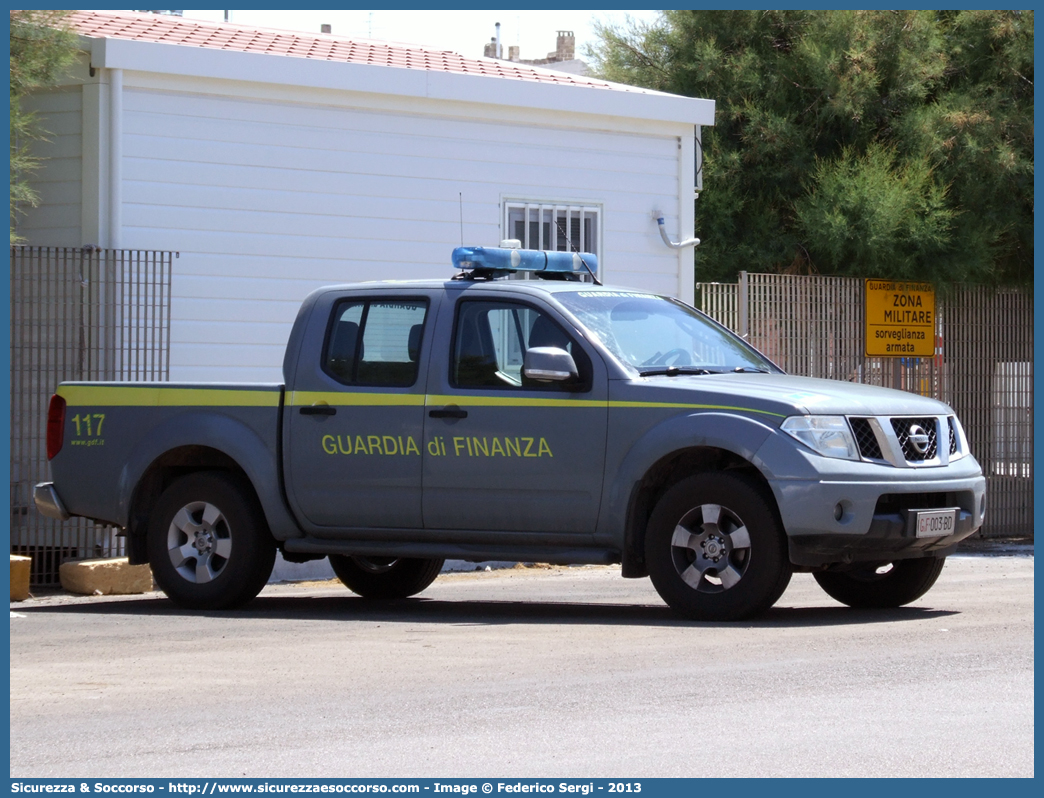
20 577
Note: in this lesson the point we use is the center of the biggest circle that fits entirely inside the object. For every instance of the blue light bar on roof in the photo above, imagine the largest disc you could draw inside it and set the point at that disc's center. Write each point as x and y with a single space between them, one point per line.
497 259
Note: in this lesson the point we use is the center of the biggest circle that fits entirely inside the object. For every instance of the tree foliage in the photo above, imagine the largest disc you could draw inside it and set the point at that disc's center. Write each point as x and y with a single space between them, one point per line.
42 46
873 143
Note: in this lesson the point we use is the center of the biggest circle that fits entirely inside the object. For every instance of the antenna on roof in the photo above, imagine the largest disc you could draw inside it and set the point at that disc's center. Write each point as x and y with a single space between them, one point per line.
576 252
460 196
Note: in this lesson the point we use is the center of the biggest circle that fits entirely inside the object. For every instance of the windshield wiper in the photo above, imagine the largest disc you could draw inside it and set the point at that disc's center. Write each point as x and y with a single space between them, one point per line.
674 371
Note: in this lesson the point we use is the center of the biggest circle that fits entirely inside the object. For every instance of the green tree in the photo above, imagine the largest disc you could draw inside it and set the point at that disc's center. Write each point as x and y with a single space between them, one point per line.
42 46
873 143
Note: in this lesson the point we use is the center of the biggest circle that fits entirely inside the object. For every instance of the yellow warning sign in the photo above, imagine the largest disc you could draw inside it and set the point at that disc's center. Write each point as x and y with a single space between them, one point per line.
900 319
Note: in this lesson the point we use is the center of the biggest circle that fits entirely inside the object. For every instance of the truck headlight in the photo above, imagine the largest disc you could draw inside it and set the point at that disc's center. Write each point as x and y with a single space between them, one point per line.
830 436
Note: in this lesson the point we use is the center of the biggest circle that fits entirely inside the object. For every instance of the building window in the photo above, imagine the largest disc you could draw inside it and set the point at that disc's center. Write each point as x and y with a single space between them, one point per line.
555 226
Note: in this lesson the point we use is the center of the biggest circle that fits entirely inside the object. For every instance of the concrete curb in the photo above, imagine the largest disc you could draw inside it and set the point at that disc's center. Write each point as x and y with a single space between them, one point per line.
20 567
105 577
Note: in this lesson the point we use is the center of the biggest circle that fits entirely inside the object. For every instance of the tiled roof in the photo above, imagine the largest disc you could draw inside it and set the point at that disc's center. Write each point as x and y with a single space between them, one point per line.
324 47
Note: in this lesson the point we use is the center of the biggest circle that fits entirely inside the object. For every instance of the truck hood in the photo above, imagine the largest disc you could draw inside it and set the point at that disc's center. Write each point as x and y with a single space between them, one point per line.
787 395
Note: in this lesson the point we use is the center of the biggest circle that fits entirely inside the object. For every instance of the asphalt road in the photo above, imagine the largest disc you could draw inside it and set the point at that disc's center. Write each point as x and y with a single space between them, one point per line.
547 673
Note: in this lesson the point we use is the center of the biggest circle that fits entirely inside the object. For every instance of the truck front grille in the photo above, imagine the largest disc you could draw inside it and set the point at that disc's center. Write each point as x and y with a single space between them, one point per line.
866 440
917 438
889 503
908 442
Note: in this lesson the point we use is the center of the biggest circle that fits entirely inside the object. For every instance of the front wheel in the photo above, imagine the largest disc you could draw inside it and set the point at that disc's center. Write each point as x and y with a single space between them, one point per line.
890 585
208 542
385 577
715 548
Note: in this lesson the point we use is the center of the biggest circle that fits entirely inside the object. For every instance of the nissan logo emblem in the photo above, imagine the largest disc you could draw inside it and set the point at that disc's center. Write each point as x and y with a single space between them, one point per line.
918 438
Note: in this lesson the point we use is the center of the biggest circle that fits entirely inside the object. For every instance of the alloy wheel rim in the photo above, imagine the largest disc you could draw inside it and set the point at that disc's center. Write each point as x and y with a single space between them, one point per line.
710 548
199 542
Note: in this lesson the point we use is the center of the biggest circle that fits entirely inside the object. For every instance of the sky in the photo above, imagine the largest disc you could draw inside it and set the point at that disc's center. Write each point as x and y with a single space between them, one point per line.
464 32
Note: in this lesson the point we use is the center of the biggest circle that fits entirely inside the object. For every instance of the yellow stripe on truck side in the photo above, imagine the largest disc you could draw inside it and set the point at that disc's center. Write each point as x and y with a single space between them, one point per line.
136 396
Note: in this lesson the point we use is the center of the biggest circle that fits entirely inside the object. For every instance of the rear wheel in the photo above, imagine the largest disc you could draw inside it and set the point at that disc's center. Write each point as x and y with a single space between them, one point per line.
385 577
208 542
715 548
878 586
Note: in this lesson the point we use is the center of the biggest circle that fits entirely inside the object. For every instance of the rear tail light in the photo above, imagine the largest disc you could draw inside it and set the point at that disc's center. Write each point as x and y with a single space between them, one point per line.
55 426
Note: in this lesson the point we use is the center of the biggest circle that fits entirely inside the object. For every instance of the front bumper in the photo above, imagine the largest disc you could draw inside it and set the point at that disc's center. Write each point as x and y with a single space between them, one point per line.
840 521
890 538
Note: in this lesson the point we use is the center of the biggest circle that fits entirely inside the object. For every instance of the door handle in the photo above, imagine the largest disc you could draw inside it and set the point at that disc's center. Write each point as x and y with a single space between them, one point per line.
318 410
448 412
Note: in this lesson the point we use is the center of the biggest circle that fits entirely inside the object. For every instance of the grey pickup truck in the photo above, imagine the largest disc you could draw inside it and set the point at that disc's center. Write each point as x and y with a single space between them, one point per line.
546 420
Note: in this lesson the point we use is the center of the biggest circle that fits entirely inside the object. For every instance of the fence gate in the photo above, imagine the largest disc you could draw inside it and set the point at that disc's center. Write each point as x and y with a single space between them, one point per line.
76 314
983 366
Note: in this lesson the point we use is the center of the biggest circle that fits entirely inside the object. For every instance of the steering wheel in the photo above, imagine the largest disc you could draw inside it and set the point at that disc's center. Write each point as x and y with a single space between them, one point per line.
680 356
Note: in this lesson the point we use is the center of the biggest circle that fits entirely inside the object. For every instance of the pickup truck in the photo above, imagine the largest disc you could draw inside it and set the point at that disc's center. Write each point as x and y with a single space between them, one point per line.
549 419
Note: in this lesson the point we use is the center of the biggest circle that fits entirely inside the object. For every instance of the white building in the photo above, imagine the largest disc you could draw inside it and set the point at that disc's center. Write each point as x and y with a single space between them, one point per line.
276 162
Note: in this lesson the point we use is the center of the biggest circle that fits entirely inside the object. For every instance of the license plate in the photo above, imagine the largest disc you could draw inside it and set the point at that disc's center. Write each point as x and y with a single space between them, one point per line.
934 523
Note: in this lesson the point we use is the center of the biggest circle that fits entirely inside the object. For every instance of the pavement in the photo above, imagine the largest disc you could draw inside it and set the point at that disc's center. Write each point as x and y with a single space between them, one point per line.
542 671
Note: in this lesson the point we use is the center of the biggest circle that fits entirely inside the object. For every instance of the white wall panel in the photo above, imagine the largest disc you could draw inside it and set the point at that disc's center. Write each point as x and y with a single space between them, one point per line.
201 372
528 167
311 202
232 309
56 221
458 148
239 116
656 283
374 259
253 356
267 201
322 181
208 331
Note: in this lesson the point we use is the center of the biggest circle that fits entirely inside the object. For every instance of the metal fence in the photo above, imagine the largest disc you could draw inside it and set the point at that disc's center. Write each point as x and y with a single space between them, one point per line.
983 363
76 314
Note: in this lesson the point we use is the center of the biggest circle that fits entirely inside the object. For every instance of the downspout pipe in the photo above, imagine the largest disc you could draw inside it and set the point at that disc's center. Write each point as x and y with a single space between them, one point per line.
689 242
115 157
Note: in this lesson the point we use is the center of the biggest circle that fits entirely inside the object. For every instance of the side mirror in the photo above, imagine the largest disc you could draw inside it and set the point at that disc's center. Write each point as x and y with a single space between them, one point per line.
549 364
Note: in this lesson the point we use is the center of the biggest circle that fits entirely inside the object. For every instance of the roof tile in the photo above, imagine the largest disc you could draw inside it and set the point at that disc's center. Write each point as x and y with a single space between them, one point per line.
324 47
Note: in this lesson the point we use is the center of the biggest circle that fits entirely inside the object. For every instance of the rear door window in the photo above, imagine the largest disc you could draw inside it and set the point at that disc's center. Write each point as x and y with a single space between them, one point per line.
375 342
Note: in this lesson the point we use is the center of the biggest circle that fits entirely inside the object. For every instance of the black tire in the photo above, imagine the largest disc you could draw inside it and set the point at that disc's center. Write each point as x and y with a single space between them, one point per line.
715 548
880 586
385 577
208 542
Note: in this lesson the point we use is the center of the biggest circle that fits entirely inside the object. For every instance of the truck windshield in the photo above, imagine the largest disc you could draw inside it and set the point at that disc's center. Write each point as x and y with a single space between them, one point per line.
657 335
